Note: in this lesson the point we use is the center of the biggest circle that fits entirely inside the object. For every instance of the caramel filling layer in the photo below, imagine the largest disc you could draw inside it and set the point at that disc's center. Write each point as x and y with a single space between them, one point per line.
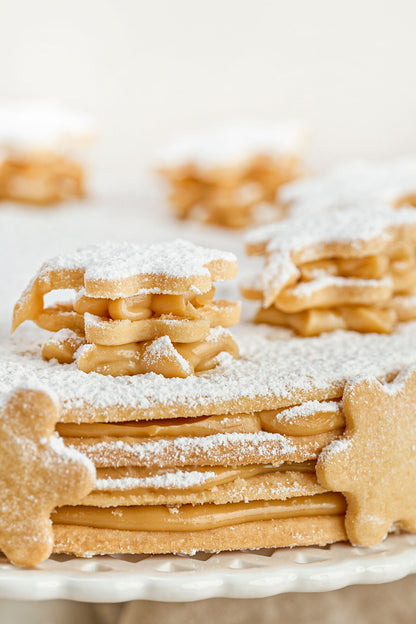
315 321
176 360
140 307
311 418
175 427
199 517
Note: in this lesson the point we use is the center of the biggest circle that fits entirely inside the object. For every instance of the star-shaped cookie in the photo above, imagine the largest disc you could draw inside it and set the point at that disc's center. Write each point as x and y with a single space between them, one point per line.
37 473
374 463
116 270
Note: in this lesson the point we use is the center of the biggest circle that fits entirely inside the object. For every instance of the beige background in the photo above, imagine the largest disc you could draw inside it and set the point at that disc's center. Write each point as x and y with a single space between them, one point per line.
149 69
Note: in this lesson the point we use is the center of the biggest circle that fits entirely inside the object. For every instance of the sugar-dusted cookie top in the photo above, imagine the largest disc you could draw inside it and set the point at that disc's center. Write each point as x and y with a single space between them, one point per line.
358 181
374 463
232 144
354 232
27 127
273 371
113 270
37 473
354 227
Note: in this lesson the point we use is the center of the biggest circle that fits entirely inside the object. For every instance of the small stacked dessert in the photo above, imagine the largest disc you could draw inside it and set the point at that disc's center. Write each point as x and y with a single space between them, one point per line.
137 308
39 153
344 269
230 176
391 182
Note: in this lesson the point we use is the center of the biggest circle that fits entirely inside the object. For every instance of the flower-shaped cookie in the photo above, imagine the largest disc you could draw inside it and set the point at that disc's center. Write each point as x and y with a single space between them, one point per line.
374 464
37 473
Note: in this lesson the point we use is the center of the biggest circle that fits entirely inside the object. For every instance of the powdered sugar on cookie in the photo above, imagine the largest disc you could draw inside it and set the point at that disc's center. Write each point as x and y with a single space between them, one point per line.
180 479
39 126
234 143
358 181
354 226
117 261
273 371
306 409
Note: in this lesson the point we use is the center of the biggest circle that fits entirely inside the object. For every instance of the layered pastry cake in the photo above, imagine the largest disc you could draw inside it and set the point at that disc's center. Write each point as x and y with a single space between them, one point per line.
276 447
41 148
229 175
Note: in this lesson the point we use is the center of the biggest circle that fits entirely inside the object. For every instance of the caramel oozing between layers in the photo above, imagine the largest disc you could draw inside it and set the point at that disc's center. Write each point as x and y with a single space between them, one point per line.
133 323
175 427
313 419
135 358
109 332
313 322
199 517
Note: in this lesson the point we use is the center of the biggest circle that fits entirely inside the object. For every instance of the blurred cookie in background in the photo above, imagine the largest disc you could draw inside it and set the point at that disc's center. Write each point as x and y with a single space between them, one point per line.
42 146
391 181
229 175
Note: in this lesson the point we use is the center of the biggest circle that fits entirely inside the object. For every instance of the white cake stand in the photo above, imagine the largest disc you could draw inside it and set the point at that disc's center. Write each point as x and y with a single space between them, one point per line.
231 575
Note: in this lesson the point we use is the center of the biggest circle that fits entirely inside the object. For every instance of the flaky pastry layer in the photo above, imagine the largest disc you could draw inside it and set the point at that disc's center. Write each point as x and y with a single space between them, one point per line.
269 486
235 449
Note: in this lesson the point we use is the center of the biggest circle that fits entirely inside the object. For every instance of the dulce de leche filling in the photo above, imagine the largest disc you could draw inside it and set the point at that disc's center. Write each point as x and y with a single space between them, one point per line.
198 517
311 418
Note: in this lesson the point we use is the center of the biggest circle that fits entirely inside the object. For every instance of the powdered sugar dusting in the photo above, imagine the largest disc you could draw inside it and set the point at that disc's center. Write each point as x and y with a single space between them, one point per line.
119 260
279 270
233 143
306 409
308 237
352 182
304 289
33 126
69 454
337 446
162 348
354 225
66 335
213 447
179 479
274 370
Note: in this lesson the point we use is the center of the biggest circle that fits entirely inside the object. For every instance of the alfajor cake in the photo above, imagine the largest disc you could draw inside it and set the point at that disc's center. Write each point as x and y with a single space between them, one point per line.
249 452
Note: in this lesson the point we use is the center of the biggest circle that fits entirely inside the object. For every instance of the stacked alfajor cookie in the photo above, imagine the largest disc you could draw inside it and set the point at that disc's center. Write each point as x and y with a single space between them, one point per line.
229 175
136 309
41 147
352 268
